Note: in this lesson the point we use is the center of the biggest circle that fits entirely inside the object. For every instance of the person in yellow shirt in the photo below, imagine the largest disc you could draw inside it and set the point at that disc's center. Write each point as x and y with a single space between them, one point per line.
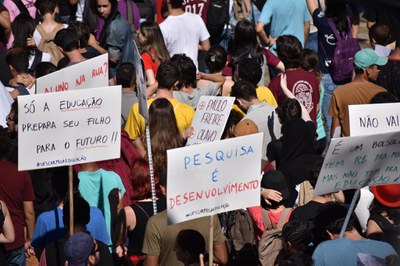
167 77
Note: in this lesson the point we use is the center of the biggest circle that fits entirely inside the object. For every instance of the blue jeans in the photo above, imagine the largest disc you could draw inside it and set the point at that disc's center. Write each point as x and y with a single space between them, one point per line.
312 42
329 87
16 257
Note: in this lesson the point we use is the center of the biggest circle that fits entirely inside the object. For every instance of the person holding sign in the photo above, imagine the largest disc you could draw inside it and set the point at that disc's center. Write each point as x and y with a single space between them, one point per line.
168 78
188 92
359 91
257 112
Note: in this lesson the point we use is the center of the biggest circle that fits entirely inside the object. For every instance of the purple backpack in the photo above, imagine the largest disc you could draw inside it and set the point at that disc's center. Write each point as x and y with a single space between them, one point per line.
341 67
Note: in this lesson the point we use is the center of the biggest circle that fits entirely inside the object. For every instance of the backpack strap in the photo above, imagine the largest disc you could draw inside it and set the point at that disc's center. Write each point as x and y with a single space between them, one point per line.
282 219
266 220
284 215
37 59
42 32
21 7
336 32
382 222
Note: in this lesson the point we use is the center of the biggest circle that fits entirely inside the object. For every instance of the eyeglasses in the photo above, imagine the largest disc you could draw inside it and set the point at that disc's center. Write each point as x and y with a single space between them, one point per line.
9 118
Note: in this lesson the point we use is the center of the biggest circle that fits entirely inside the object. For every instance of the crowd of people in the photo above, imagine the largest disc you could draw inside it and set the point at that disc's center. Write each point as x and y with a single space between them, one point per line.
293 66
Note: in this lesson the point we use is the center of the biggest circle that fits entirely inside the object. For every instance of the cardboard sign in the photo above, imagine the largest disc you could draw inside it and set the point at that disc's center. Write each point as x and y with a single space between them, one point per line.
210 119
356 162
211 178
367 119
67 128
91 73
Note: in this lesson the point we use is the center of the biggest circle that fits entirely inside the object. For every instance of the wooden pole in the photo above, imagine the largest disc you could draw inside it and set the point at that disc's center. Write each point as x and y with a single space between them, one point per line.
71 201
211 244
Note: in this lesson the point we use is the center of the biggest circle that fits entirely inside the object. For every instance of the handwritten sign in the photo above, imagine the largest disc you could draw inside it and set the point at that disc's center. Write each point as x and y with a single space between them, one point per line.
211 178
210 118
367 119
91 73
67 128
356 162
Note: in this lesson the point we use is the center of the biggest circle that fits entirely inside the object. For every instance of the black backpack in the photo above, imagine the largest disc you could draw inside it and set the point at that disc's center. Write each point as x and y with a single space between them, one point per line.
217 17
390 233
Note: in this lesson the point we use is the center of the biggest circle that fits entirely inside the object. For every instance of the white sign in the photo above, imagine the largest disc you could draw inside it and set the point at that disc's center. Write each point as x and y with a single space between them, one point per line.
211 178
356 162
367 119
91 73
210 118
67 128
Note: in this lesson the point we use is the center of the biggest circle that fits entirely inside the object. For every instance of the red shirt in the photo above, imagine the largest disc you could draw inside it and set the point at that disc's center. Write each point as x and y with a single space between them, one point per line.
305 87
15 188
148 61
198 7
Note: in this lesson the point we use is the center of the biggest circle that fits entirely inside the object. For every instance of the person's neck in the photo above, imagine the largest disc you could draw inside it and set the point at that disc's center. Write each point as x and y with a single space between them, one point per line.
89 167
163 93
323 199
353 235
127 89
75 56
48 19
78 229
83 50
255 101
362 78
175 11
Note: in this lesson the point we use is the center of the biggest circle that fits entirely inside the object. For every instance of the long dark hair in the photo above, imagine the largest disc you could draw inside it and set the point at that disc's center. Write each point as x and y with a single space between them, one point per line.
245 43
164 132
154 40
23 28
113 14
336 10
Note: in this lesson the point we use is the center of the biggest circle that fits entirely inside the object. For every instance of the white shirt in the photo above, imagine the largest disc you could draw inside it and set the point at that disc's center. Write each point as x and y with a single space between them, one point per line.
183 33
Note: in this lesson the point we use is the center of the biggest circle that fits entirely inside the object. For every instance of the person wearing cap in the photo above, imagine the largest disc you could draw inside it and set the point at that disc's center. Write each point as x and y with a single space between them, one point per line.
81 250
384 221
359 91
257 113
334 250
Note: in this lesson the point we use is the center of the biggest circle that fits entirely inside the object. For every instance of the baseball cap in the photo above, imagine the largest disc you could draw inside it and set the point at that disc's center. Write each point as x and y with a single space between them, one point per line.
78 248
245 127
367 57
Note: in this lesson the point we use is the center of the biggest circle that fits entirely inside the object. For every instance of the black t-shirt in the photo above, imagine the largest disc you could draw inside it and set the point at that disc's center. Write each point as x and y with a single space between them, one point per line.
389 76
306 212
386 17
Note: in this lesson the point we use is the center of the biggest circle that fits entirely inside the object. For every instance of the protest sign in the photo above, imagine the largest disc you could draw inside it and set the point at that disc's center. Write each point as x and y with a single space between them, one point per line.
367 119
67 128
91 73
211 178
356 162
210 118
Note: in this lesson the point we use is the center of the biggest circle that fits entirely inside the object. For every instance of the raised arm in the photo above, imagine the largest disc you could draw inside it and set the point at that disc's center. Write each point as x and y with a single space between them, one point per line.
312 5
304 113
